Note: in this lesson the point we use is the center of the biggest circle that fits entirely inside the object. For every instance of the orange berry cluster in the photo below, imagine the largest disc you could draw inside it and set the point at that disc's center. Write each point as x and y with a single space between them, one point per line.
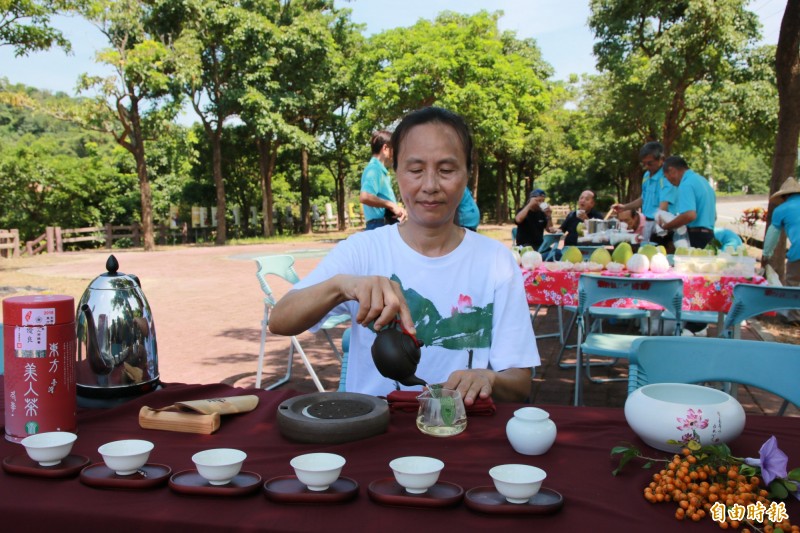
695 486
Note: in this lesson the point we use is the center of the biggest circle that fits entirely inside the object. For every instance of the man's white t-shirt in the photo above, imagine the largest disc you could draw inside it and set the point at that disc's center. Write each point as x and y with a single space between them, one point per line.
472 298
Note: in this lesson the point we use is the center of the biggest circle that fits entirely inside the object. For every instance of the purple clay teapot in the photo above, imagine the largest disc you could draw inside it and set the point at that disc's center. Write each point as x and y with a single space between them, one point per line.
396 354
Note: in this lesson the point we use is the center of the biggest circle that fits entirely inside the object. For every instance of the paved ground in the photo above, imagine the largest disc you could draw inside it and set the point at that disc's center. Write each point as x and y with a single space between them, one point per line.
207 306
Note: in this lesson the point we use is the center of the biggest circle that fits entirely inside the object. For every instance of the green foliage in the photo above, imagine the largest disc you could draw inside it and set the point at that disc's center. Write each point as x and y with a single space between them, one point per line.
25 24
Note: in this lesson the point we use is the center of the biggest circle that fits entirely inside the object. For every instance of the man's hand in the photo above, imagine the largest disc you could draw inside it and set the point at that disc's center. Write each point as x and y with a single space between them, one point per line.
379 299
472 384
398 212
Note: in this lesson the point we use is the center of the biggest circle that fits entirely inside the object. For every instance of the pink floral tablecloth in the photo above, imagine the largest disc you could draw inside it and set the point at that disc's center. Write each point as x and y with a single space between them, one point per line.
700 293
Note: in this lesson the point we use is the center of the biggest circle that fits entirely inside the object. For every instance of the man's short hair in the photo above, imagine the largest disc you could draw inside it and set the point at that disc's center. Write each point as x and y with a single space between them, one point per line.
675 161
379 139
653 148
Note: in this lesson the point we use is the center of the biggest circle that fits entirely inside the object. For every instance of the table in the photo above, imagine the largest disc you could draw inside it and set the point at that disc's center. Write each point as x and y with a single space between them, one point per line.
700 292
578 465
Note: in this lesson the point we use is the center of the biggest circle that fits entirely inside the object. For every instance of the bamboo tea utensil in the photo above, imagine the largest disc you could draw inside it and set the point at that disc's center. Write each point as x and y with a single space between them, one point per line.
195 416
181 422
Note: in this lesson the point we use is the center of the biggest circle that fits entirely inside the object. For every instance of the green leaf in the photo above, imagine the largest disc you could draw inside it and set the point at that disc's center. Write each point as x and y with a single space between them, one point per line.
747 470
648 464
778 490
794 474
625 459
619 449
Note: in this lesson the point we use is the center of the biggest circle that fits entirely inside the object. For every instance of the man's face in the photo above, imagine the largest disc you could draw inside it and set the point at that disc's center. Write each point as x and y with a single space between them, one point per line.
537 201
673 175
651 163
586 201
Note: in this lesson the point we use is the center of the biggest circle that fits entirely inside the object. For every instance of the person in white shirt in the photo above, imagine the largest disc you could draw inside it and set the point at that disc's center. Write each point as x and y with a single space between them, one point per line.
459 292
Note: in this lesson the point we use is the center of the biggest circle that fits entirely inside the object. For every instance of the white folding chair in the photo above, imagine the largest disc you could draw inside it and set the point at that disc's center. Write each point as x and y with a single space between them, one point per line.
283 267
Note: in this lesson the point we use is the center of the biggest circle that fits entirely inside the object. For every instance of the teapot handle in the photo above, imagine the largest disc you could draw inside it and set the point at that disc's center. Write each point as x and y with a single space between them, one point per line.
399 326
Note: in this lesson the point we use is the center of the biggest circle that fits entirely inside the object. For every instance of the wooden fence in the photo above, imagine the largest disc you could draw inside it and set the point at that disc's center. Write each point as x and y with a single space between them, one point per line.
54 238
9 243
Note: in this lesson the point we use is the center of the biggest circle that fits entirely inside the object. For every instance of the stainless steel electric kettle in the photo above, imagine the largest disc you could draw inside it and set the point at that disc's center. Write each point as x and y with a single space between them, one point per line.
116 356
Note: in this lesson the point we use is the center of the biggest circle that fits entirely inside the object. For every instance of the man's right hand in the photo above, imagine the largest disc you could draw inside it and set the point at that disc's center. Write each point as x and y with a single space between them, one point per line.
399 213
617 207
379 299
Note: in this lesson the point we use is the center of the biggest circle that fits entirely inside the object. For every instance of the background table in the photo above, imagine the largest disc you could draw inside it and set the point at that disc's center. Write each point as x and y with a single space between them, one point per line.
700 292
578 466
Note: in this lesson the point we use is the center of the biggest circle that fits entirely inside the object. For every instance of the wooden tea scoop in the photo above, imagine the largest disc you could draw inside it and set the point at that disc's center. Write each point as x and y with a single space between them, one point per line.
195 416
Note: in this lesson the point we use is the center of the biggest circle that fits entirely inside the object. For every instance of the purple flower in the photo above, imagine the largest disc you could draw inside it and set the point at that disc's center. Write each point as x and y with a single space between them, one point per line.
772 461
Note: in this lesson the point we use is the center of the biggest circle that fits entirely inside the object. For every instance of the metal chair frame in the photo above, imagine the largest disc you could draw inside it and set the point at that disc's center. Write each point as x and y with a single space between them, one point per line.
592 289
282 266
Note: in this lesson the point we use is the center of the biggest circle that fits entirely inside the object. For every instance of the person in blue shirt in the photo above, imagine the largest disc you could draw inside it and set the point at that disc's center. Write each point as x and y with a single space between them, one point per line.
657 192
377 196
786 217
726 238
468 215
696 205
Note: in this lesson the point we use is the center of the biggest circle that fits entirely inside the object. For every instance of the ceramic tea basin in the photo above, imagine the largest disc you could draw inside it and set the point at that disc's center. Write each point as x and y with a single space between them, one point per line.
664 412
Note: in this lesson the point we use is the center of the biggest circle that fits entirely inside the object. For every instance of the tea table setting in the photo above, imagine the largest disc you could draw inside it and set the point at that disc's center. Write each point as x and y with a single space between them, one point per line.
577 490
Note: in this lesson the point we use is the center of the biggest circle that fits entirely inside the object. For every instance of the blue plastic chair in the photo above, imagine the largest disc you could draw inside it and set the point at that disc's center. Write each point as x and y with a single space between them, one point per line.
770 366
514 236
549 247
283 267
751 300
593 289
345 353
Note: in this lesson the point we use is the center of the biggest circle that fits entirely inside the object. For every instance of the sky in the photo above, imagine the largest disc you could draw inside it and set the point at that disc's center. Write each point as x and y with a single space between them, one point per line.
558 26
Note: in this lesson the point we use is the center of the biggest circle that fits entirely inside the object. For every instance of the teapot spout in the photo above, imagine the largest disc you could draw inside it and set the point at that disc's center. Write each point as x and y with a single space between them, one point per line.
412 380
93 354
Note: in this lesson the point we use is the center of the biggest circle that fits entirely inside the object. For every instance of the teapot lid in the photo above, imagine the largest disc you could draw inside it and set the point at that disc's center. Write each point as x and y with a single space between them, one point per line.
113 280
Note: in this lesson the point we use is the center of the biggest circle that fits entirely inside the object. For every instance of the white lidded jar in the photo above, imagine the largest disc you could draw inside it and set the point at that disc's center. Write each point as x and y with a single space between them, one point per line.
530 431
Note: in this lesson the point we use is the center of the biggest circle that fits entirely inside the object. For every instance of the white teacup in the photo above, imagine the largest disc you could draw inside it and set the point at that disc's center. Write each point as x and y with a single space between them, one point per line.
219 465
518 483
415 473
317 471
48 449
126 457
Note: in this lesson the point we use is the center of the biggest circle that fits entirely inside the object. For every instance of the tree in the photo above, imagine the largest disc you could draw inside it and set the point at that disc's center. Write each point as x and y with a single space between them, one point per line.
209 56
787 66
25 25
135 103
674 67
463 63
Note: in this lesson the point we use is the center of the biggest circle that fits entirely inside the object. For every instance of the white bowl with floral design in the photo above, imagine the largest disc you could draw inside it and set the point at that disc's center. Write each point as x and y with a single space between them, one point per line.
668 415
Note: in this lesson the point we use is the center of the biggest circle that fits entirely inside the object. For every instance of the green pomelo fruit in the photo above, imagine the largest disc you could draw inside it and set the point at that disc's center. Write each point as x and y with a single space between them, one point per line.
600 256
649 250
622 253
572 254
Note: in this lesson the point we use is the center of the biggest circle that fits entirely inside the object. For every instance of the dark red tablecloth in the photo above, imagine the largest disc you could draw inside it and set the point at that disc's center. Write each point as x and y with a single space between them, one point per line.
579 466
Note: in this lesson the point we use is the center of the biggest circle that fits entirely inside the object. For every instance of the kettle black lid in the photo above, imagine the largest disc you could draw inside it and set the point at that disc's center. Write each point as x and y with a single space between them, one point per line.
113 280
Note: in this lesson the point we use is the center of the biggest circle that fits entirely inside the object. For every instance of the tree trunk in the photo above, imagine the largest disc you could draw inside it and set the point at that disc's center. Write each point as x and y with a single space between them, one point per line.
501 204
219 182
305 191
267 154
146 197
475 176
787 66
340 207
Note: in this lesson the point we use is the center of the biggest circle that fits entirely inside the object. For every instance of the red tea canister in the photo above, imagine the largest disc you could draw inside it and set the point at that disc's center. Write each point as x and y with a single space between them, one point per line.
39 355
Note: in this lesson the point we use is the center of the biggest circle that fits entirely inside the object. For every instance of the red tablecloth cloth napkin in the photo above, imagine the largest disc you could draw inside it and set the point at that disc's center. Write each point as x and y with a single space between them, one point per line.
406 400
